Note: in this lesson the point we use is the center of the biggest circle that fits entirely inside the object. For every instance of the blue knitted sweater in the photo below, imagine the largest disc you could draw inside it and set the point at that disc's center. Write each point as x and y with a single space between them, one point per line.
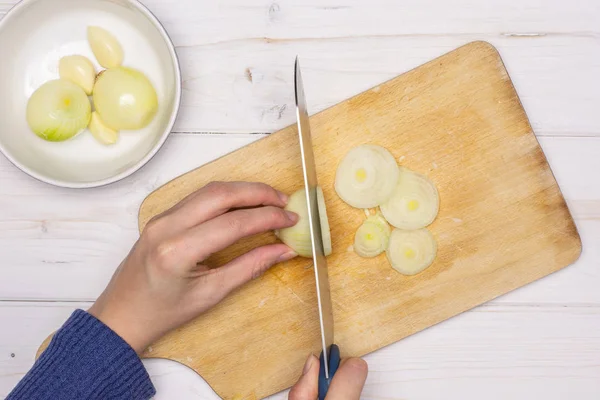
85 360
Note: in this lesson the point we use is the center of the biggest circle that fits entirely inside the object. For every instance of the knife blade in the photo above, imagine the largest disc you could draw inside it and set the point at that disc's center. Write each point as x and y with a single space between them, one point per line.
311 183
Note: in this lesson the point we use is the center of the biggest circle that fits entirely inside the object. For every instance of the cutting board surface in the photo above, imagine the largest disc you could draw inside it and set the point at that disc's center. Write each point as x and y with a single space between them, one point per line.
503 223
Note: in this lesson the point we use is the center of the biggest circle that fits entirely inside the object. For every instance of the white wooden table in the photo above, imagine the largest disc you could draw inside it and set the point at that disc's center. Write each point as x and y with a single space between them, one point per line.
59 247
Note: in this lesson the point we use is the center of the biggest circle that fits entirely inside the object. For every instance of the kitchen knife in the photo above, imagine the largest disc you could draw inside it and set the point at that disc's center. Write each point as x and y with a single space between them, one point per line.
330 355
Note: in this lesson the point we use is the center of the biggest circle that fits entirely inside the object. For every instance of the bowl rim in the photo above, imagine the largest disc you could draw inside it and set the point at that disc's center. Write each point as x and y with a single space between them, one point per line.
159 144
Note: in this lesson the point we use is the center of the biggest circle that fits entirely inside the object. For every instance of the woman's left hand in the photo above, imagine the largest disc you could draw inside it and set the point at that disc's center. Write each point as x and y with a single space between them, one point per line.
161 285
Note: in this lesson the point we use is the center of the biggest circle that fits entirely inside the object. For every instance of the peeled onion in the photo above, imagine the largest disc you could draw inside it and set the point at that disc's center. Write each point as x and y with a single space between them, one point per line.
79 70
414 203
58 110
105 46
372 237
410 252
297 237
125 99
366 176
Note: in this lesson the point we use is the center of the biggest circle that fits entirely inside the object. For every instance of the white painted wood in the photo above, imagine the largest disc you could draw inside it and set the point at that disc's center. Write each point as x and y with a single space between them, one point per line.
496 351
541 341
237 56
61 244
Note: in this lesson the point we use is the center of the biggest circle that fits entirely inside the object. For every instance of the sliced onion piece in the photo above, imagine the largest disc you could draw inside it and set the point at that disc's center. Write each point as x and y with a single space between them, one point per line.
297 237
372 237
366 176
414 203
58 110
410 252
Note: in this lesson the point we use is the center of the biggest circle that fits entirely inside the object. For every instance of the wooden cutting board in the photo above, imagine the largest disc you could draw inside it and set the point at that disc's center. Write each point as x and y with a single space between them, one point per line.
503 223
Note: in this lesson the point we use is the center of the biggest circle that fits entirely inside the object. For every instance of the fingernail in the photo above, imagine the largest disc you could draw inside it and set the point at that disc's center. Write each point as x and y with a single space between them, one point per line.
287 256
284 197
292 216
308 364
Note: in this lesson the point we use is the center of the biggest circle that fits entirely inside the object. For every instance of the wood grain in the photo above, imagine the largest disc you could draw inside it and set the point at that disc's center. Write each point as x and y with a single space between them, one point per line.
503 223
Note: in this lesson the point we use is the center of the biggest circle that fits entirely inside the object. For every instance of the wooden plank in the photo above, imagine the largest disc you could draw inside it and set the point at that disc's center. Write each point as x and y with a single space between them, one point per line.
88 232
248 87
192 23
77 238
497 351
502 224
237 56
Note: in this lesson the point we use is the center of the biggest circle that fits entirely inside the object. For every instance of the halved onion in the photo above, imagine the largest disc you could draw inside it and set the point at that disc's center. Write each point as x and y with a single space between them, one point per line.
414 203
125 98
58 110
297 237
410 252
366 176
372 237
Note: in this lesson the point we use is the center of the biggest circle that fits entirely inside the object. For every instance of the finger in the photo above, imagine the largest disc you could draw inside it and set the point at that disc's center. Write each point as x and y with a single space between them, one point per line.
307 387
222 231
349 380
219 282
216 198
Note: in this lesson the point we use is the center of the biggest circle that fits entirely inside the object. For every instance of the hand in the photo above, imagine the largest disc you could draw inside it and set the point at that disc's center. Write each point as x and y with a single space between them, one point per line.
161 285
347 383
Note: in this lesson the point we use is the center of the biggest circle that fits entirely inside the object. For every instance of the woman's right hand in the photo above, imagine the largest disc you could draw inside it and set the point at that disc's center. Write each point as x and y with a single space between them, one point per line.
347 383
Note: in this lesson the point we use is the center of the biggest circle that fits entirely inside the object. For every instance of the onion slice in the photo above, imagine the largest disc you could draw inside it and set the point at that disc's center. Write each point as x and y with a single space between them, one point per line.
372 237
410 252
366 176
414 203
297 237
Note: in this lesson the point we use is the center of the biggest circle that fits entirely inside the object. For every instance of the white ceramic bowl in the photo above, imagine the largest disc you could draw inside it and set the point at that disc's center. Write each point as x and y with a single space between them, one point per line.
34 35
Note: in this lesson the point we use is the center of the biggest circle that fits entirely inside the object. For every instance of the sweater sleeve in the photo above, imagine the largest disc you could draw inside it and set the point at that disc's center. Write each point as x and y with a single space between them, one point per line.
85 360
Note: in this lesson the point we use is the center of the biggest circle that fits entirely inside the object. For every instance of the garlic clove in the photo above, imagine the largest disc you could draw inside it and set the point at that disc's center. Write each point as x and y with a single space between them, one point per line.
101 132
106 47
79 70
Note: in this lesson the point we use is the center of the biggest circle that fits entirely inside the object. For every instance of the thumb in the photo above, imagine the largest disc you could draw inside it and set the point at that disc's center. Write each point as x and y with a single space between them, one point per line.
307 387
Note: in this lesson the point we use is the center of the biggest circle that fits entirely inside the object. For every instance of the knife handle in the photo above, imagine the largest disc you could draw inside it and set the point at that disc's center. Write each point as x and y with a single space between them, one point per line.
334 363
